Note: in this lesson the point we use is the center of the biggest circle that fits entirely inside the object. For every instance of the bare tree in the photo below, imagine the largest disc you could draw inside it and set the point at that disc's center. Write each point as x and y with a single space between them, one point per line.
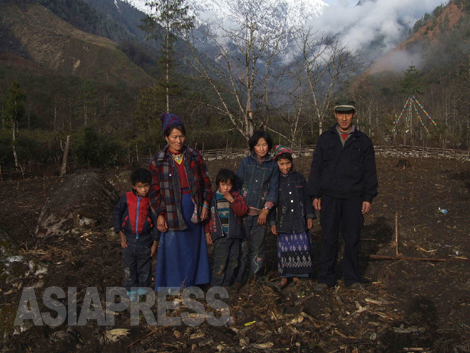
294 111
247 44
327 64
13 112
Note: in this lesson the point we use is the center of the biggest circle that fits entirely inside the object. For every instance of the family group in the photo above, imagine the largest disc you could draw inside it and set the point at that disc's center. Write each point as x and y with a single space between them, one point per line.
173 210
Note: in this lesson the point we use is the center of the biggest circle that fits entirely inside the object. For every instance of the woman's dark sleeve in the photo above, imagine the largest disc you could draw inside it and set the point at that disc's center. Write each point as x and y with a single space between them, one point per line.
205 180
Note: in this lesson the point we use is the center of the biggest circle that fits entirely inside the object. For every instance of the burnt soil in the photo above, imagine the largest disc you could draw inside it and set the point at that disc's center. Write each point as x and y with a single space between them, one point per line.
413 304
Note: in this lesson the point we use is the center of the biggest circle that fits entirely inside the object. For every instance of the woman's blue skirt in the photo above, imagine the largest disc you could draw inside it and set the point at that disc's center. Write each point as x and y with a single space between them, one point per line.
182 259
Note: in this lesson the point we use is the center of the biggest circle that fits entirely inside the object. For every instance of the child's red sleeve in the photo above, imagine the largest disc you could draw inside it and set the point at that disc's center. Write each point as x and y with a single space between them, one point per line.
239 206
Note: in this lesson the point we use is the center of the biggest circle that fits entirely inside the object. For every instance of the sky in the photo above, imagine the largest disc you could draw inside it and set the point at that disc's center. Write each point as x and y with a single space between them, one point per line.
360 25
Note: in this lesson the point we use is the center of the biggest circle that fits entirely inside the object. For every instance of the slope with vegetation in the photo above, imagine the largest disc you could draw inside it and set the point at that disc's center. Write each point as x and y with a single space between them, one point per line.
57 45
436 57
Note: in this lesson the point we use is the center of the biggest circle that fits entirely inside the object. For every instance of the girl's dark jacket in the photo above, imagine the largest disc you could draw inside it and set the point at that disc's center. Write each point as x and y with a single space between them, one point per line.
238 209
343 172
294 206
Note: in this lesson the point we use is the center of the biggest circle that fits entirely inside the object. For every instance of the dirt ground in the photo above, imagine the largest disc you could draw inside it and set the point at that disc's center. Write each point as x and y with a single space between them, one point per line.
412 305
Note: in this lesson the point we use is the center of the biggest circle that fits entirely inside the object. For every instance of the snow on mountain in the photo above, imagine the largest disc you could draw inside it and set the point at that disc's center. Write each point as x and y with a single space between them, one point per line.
290 13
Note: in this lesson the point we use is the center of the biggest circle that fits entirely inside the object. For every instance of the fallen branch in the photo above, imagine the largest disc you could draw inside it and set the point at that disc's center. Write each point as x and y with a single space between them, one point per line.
148 335
428 259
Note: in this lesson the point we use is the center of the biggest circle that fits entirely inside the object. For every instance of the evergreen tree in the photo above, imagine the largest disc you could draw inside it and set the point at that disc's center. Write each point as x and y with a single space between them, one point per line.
88 98
173 16
411 83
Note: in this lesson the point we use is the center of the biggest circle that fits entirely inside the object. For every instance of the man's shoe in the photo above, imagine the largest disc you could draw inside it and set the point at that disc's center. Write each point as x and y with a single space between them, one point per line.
357 286
320 287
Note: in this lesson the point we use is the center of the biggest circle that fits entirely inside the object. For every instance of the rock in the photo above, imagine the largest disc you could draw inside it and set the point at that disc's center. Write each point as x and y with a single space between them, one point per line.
84 201
111 235
403 163
83 220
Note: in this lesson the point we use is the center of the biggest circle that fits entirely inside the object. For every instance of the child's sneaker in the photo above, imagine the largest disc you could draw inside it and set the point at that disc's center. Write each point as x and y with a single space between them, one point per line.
132 297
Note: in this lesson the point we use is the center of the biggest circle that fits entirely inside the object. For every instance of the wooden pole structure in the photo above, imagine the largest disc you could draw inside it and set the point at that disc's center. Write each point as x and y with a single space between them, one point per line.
399 256
63 169
396 234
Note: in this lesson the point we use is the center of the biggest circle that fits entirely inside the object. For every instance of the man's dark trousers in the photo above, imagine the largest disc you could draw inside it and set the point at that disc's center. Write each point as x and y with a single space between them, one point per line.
347 214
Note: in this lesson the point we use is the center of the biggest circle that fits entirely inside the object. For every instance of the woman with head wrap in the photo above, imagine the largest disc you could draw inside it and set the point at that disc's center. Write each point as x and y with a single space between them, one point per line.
180 195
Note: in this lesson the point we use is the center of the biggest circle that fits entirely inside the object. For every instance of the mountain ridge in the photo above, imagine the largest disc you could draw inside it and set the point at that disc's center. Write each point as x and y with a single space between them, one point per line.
410 47
46 40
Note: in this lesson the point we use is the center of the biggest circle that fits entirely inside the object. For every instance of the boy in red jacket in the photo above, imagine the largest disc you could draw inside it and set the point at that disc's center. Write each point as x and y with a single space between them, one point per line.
225 228
136 224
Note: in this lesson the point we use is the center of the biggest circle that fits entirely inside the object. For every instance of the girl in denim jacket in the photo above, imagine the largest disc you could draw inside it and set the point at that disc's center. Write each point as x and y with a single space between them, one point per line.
258 182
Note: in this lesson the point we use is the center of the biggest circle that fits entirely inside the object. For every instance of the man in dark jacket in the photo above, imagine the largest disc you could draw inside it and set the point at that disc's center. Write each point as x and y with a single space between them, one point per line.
342 184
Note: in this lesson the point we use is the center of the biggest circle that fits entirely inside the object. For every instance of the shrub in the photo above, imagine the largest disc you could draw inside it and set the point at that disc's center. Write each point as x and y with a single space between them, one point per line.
97 150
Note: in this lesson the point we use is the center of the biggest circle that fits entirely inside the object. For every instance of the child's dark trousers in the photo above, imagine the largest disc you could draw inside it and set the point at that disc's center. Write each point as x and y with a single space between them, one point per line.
137 264
226 253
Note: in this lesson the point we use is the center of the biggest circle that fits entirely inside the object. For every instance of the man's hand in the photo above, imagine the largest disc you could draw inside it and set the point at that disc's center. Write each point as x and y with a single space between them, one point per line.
317 204
366 206
161 224
274 230
209 239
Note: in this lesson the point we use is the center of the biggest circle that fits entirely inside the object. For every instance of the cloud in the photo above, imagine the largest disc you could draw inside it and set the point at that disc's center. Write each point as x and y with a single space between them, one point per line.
384 20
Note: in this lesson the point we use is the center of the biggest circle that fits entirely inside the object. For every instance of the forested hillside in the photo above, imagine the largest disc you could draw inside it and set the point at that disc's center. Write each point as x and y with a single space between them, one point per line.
433 65
80 73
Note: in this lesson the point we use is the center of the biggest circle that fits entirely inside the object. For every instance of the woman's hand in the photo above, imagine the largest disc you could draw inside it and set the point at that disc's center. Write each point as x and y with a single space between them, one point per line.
209 239
274 230
204 213
161 224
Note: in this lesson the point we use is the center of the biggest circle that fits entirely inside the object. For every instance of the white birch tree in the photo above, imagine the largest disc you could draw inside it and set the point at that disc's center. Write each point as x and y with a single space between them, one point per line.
247 44
14 110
